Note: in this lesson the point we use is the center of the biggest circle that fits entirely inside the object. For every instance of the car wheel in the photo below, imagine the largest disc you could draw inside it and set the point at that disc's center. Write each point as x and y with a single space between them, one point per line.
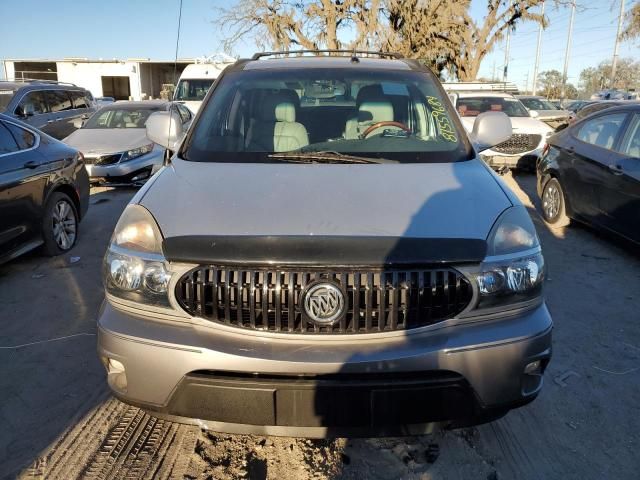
553 204
59 225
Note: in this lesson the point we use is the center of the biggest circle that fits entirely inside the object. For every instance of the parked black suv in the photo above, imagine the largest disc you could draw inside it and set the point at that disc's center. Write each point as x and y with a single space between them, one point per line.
56 108
44 191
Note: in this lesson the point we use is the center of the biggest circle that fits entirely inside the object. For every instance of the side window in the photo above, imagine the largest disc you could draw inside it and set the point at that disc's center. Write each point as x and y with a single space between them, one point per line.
59 100
33 99
631 143
602 131
8 144
79 99
185 113
23 137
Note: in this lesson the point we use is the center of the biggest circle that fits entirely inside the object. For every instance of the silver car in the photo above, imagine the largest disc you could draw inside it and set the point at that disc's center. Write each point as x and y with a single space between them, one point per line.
325 255
115 144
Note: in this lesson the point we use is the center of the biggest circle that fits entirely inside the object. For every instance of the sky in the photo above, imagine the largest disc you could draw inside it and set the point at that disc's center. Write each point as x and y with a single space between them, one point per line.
147 29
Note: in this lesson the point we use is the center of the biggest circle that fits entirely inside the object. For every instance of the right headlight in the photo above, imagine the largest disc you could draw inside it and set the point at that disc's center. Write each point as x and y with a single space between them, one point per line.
134 267
513 271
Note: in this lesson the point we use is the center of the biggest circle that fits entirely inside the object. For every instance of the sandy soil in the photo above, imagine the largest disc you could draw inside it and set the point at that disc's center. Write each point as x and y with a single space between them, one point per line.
58 420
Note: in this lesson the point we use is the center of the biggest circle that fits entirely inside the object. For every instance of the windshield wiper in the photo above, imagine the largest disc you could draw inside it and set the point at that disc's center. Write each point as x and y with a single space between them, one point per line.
323 157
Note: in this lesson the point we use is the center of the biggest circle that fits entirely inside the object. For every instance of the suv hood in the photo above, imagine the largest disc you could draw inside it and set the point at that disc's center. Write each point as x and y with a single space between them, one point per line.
437 200
519 124
92 141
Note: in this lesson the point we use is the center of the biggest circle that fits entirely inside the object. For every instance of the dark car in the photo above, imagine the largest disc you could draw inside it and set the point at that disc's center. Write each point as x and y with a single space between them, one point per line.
591 172
56 108
44 191
594 107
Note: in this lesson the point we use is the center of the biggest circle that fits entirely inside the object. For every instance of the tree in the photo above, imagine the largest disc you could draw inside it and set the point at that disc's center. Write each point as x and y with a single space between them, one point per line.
551 83
597 78
306 24
632 25
440 33
480 38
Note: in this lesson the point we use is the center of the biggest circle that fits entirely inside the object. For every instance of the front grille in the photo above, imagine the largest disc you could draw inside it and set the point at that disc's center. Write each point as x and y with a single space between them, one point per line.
519 143
103 159
374 300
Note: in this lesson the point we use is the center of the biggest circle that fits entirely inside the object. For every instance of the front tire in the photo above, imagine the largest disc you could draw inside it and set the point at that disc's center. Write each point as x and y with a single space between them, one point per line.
553 204
59 224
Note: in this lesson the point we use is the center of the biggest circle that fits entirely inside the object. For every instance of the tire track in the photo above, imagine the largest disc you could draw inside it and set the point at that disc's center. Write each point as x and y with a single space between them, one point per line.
116 441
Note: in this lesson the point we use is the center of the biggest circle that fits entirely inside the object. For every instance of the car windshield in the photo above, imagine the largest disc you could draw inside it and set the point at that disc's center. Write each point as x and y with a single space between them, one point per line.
474 106
120 118
5 97
259 115
538 104
193 89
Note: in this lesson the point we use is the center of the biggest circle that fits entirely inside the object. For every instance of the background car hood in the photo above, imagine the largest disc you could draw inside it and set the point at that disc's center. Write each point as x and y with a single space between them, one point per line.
437 200
552 114
107 140
519 125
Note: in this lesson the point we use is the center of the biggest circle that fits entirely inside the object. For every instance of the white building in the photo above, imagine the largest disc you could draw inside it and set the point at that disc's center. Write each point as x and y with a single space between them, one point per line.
133 78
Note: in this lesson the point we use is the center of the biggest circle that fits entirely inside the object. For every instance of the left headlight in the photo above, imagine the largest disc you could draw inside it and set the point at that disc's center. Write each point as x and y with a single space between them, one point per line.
136 152
513 271
134 267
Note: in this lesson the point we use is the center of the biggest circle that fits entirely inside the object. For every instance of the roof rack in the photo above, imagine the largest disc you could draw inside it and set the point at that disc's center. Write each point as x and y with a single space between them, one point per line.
39 80
351 53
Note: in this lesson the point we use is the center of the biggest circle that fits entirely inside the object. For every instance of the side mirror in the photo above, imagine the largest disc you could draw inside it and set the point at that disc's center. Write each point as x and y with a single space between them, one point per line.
534 113
165 129
78 122
490 129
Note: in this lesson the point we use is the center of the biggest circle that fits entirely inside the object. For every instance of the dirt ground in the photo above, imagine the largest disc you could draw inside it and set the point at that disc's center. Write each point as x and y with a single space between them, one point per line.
58 420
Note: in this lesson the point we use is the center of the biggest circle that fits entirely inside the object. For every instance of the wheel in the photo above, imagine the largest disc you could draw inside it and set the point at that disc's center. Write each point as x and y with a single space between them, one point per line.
553 204
59 224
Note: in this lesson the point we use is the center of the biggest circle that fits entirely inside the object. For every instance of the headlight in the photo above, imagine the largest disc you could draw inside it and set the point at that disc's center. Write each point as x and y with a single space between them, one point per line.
513 271
134 266
136 152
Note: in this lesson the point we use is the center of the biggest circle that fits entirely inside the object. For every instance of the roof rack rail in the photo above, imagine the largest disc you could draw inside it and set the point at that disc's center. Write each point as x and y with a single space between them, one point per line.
352 53
40 80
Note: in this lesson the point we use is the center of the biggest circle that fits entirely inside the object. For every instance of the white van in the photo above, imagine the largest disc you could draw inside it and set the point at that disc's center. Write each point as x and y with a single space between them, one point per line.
195 81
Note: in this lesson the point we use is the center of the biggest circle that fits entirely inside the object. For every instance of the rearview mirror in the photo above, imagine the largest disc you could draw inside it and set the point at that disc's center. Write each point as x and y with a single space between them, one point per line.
490 129
28 110
165 129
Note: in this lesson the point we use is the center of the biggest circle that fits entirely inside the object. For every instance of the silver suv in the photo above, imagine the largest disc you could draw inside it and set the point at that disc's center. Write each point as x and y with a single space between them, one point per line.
325 255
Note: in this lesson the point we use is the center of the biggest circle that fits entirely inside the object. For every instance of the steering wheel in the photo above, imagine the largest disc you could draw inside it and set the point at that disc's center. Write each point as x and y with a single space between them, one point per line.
377 125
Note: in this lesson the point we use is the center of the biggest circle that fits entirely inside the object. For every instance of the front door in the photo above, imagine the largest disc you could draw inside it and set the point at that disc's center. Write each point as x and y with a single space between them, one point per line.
591 154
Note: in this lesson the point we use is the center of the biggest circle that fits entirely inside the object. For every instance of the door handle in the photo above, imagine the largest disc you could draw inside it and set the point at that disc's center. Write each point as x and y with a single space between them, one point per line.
31 164
615 169
50 121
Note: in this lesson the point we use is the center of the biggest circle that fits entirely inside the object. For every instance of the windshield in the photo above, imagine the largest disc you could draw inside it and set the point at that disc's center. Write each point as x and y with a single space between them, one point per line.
193 89
538 104
474 106
120 118
398 116
5 98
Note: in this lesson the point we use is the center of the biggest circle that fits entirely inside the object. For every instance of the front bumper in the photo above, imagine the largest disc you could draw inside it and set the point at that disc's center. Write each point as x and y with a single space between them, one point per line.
126 172
406 384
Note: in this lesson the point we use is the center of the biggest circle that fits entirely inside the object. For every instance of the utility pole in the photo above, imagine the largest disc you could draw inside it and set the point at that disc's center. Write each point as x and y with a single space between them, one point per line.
615 48
567 52
538 48
506 56
526 82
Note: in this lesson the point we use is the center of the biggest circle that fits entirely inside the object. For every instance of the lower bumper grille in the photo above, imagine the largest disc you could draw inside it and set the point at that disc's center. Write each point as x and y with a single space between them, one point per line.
519 143
103 159
273 300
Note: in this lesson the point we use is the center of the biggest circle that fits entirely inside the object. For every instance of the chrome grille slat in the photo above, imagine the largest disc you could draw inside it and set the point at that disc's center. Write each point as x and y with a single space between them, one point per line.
272 299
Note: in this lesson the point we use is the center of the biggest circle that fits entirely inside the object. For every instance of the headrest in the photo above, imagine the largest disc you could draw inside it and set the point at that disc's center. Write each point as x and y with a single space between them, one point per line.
375 111
496 107
370 92
278 106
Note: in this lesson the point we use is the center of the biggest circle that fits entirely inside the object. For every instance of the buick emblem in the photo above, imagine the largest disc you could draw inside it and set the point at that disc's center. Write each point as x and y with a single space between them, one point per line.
324 303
